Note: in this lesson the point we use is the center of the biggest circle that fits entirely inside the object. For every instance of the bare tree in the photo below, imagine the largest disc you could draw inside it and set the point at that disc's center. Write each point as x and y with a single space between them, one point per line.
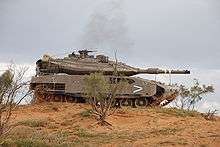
102 91
210 115
101 95
189 97
182 101
13 89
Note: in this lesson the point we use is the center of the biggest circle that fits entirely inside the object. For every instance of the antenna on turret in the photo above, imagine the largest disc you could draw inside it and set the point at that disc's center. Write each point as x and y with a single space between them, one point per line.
170 77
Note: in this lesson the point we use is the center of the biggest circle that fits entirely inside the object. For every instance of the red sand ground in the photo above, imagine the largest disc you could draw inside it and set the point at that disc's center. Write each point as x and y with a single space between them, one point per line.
59 123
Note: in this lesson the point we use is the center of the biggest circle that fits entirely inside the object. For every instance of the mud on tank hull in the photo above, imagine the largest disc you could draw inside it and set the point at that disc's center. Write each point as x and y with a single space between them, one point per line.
69 88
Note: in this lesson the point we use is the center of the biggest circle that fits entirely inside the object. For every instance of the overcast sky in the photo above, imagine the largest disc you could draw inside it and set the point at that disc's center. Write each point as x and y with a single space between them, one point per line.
146 33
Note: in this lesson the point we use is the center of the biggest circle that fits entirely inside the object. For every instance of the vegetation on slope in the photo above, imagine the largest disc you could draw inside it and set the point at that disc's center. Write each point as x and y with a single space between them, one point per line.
73 125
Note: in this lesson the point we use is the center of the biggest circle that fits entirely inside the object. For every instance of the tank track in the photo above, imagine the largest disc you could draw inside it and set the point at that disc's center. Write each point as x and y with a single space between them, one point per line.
154 101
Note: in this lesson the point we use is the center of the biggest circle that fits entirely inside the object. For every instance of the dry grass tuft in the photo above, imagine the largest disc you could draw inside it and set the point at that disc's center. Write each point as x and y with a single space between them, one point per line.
33 123
178 112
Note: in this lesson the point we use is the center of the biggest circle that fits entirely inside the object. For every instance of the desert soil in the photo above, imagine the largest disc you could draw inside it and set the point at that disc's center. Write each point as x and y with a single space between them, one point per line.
69 124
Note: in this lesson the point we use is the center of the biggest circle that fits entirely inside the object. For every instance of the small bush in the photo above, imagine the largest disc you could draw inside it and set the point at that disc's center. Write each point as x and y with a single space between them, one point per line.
86 113
33 123
179 112
83 133
21 132
65 133
23 143
165 131
174 142
210 115
52 126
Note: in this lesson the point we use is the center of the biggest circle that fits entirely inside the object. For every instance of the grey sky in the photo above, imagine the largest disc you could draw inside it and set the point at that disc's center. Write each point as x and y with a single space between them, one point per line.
162 33
184 33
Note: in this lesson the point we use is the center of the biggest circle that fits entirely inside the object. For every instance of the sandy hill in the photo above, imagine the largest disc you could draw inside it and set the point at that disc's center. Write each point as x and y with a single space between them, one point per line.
65 124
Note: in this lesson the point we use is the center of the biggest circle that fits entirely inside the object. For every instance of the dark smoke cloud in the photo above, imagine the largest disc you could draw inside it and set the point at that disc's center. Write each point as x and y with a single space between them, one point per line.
107 28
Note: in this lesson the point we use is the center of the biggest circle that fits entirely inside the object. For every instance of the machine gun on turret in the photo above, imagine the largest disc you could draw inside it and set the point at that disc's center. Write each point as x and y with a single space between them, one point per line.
85 53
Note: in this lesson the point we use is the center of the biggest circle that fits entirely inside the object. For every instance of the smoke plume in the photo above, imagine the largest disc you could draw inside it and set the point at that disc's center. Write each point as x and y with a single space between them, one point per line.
106 28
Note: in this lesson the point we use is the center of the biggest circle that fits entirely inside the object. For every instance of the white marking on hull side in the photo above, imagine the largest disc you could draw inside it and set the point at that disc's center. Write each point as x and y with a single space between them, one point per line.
138 89
163 102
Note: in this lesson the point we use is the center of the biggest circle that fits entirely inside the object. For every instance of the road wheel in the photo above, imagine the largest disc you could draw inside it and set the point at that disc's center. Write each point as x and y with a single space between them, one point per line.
56 98
118 103
141 102
126 102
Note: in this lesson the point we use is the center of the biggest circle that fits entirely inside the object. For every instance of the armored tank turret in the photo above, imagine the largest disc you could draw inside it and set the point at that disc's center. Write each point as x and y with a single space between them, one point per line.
61 79
82 63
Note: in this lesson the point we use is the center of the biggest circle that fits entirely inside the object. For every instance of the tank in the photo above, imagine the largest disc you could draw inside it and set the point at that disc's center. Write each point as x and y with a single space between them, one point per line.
61 79
82 63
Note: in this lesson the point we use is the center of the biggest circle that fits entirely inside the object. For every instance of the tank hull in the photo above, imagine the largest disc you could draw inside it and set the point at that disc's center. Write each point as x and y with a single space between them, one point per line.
138 92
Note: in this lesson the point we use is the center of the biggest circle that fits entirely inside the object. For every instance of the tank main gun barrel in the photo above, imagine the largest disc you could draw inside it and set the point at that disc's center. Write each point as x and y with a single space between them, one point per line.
160 71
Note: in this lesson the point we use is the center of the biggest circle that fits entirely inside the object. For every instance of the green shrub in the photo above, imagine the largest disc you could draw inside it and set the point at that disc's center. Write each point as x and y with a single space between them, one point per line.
33 123
24 143
179 112
83 133
86 113
164 131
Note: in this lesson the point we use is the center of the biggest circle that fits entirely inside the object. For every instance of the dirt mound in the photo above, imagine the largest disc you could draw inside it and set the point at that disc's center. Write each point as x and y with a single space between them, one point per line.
67 124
